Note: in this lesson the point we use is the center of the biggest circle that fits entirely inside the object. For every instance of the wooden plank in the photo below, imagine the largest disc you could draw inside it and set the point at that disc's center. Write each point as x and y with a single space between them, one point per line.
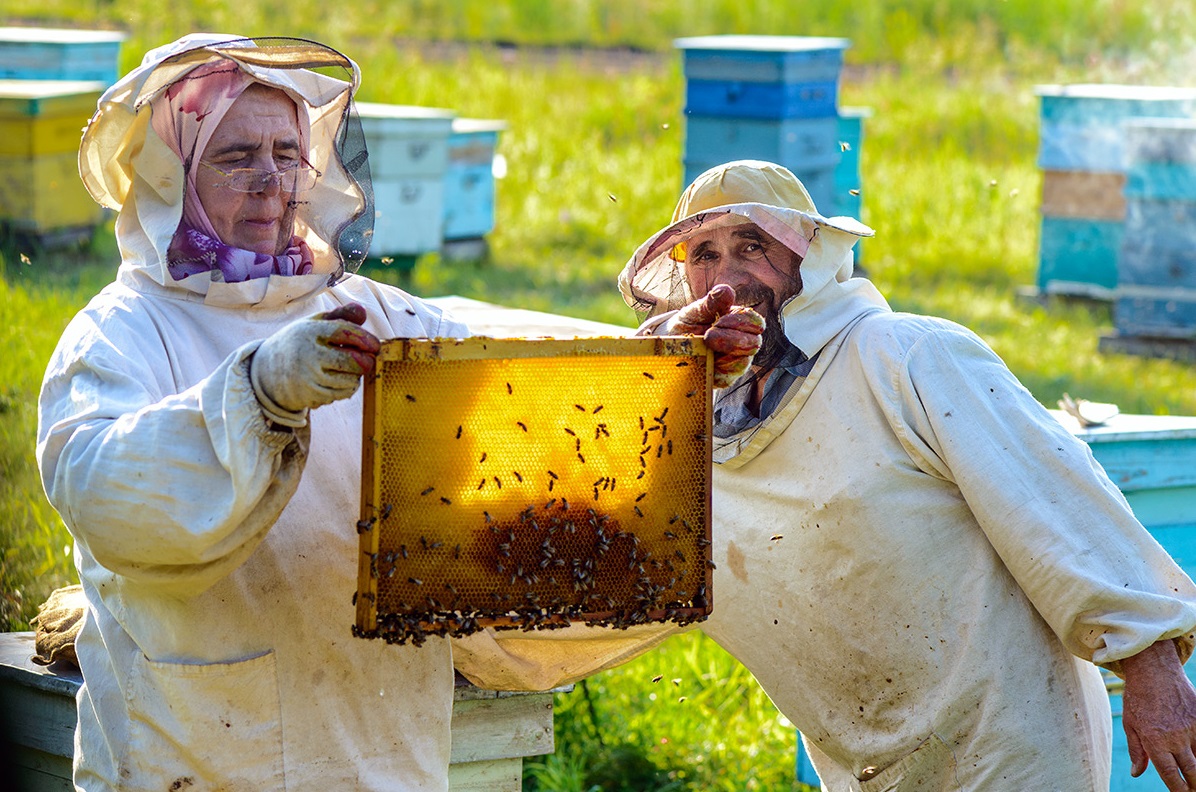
499 775
502 728
44 771
1083 195
38 718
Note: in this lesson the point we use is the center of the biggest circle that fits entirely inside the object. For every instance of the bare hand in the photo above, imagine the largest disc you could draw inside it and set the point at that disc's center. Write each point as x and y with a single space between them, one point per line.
733 332
1159 715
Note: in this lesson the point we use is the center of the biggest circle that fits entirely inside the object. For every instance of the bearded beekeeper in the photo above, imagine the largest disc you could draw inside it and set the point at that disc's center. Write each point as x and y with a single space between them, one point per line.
919 564
180 440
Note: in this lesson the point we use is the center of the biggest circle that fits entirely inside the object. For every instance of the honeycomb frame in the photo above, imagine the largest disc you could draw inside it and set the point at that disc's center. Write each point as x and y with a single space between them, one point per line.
531 483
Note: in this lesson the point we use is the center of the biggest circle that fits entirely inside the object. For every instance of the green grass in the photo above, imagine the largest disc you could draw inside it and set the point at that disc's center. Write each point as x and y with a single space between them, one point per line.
594 152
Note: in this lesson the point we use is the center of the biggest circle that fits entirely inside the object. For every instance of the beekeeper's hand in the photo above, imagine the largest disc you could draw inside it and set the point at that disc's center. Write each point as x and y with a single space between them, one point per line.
732 331
312 362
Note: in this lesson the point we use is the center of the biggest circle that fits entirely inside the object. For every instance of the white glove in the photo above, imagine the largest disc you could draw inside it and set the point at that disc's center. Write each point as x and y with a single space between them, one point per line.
312 362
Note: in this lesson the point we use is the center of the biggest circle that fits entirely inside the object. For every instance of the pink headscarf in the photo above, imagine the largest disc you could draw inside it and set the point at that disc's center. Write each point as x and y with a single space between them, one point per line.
185 116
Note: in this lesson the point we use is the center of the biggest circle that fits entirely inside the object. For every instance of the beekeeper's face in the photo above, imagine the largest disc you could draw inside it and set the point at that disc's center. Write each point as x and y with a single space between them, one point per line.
762 271
260 133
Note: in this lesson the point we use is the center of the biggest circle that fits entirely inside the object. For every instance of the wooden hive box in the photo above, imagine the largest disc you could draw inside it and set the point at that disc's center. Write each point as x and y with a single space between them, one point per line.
469 178
41 124
1156 289
408 148
1082 152
33 53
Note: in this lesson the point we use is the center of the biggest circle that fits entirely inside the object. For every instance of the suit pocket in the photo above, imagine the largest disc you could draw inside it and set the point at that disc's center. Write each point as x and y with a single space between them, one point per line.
204 726
929 768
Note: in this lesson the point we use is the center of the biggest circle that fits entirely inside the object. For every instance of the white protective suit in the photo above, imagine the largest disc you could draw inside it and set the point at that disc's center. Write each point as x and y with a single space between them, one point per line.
219 554
917 562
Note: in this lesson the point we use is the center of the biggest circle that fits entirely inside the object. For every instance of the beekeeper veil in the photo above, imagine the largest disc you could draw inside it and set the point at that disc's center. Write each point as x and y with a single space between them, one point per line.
140 152
749 191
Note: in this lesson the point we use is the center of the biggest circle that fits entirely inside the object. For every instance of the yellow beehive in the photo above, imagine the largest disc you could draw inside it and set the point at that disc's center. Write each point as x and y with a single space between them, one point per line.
41 124
529 483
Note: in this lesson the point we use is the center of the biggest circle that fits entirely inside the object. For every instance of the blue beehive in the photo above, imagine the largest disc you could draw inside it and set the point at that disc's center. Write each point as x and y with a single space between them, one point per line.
58 54
773 98
469 185
1156 290
408 148
1082 134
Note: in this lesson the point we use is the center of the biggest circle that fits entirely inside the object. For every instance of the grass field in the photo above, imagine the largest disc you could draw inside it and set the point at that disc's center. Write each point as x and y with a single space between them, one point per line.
949 182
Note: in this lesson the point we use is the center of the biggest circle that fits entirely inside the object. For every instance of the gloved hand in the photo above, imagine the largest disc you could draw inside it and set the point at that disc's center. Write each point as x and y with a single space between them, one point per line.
312 362
732 331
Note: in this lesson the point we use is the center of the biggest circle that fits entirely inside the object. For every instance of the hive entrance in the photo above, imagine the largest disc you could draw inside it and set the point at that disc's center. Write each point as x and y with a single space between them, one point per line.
531 483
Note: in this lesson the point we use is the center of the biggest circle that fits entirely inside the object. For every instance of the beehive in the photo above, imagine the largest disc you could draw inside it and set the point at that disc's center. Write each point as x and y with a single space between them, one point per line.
531 483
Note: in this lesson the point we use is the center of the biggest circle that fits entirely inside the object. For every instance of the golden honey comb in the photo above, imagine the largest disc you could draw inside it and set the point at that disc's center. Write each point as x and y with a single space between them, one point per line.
528 483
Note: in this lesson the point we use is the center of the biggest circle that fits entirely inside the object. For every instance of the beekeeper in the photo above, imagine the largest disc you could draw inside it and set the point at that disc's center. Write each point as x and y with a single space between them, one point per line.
200 437
919 564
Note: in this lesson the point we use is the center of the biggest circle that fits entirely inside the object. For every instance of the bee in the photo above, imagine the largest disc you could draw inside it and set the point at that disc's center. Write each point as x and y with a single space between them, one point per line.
659 450
403 551
637 511
641 475
521 425
670 535
509 391
498 481
415 581
449 587
445 500
711 564
386 509
641 422
554 475
690 394
364 525
579 407
483 458
426 491
670 446
489 519
649 376
662 415
550 504
457 551
582 458
640 497
550 485
597 409
482 483
459 432
570 432
410 398
518 477
683 364
435 545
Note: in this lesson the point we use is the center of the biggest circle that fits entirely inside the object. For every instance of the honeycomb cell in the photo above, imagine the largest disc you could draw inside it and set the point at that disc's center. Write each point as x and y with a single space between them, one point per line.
520 483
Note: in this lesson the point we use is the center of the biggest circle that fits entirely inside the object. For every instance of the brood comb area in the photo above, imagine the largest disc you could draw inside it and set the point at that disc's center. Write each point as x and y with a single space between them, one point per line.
530 483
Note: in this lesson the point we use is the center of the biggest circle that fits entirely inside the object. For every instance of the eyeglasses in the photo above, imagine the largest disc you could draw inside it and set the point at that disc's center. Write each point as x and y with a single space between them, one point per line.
296 178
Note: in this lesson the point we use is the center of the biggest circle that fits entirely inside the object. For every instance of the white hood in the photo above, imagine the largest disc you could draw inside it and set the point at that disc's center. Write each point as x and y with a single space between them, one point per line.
127 167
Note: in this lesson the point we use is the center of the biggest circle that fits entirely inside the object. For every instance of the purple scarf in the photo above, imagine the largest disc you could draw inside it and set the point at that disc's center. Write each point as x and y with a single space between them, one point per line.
192 251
